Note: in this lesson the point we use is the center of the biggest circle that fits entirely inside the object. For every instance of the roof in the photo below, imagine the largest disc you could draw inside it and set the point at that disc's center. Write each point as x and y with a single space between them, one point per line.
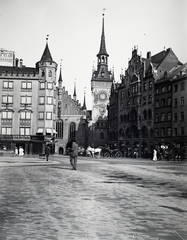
46 57
18 70
102 50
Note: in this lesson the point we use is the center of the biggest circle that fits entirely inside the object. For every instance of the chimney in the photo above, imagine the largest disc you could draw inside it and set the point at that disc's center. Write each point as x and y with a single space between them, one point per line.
21 63
149 55
17 61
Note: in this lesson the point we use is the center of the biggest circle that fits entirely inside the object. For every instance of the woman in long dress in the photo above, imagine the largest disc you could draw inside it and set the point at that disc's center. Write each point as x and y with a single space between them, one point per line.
154 155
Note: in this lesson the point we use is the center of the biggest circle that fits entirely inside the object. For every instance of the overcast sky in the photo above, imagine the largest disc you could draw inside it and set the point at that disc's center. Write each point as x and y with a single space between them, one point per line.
74 28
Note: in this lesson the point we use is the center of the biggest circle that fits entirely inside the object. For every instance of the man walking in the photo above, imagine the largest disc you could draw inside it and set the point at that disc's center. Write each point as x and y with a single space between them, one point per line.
47 150
74 154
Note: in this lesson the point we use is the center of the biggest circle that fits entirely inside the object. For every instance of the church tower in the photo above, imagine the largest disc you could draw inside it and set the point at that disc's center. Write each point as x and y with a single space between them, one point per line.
100 87
101 82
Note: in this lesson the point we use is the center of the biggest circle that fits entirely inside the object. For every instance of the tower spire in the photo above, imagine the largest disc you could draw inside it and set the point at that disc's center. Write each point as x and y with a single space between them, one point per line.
60 76
84 103
74 94
102 50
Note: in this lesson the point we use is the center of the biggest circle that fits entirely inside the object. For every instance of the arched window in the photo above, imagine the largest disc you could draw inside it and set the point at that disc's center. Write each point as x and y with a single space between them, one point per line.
72 130
149 114
145 114
59 128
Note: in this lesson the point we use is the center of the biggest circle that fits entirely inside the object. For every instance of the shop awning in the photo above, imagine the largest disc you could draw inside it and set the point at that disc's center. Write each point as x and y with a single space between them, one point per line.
40 130
49 130
54 131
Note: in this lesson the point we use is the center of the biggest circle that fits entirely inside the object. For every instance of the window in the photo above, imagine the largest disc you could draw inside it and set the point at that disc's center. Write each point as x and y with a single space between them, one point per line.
169 116
49 85
26 99
182 86
169 131
150 99
169 101
163 89
144 100
175 88
175 102
24 131
7 99
175 117
163 117
121 106
6 130
42 85
163 102
101 135
157 103
182 116
182 101
157 90
169 88
72 130
182 131
150 85
41 100
145 86
7 84
6 115
162 132
156 132
49 100
49 115
26 85
25 115
122 95
175 131
50 73
41 115
156 117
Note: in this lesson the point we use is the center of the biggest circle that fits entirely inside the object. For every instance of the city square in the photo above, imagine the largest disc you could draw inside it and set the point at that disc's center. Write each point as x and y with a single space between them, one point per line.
104 199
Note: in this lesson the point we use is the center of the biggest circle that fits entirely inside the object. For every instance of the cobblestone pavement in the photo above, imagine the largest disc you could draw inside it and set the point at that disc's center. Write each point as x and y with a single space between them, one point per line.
104 199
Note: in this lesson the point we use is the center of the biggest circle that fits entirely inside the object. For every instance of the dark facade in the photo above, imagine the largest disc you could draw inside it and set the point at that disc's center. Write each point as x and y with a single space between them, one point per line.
146 93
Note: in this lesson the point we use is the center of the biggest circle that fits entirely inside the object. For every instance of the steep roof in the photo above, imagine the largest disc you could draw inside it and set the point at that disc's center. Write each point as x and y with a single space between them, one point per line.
46 57
102 50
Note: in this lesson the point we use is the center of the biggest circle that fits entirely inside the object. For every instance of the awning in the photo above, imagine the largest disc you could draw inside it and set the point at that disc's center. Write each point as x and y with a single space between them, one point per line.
40 130
54 131
48 130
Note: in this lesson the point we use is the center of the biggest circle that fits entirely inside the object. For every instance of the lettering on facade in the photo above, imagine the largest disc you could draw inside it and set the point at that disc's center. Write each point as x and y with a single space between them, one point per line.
21 137
6 58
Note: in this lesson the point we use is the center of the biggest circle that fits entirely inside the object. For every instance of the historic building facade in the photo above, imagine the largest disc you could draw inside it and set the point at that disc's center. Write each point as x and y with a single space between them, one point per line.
100 87
146 98
33 106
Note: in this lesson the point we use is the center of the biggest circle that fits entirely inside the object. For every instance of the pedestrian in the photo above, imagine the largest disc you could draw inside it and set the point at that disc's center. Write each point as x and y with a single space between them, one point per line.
47 151
21 151
154 155
69 151
74 154
16 151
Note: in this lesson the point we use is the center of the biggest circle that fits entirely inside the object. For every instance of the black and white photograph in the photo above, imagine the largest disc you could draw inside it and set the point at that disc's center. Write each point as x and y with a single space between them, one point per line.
93 120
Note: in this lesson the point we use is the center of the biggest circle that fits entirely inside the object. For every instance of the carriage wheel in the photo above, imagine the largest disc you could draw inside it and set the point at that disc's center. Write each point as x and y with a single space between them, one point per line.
118 154
107 155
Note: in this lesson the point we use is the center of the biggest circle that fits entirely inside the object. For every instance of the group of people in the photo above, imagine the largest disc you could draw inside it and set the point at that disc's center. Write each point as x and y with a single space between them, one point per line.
19 152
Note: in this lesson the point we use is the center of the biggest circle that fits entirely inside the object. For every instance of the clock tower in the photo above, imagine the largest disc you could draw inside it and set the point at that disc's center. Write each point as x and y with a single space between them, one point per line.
101 82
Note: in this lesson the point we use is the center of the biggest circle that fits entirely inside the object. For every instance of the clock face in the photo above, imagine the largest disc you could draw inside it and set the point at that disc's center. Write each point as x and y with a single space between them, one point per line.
102 96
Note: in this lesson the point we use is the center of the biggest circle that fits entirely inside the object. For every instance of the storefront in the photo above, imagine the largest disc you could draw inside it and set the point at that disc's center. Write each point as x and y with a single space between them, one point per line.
31 144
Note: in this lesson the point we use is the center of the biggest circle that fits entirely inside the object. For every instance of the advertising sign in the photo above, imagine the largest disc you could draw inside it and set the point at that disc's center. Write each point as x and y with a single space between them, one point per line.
6 58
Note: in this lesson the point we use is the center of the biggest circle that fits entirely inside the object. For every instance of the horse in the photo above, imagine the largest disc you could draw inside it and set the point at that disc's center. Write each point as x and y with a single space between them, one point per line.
94 151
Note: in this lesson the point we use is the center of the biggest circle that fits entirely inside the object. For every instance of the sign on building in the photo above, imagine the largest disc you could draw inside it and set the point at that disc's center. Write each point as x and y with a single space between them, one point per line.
6 57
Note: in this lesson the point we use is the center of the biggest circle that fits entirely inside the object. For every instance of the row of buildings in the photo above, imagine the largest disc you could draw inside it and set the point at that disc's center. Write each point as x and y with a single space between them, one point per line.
147 107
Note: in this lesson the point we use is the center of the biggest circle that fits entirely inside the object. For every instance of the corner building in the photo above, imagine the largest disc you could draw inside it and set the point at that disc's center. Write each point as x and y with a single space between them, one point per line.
29 102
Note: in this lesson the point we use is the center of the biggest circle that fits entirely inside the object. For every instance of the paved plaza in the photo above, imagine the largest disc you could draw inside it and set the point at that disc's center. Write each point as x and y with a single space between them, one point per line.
105 199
